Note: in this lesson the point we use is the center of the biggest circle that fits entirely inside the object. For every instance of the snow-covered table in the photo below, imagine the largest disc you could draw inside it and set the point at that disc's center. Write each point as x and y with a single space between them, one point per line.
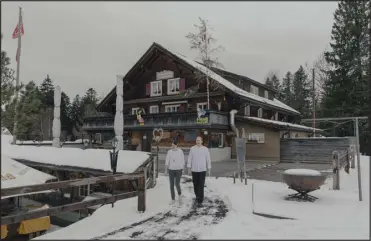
303 181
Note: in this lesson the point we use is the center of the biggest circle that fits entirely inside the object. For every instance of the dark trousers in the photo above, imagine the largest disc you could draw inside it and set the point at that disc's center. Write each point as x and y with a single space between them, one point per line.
198 179
174 176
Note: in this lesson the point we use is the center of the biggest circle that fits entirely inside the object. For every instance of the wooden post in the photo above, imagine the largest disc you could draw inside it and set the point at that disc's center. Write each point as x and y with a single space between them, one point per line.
353 157
336 167
234 177
142 191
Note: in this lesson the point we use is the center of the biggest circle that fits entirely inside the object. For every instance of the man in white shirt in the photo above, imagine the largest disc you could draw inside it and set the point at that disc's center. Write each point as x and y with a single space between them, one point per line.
198 163
174 165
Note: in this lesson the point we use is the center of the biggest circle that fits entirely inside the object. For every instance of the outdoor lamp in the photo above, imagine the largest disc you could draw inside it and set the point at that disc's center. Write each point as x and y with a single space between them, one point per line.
114 156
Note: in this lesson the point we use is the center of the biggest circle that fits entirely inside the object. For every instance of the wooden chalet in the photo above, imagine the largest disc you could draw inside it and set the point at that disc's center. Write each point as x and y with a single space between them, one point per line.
161 91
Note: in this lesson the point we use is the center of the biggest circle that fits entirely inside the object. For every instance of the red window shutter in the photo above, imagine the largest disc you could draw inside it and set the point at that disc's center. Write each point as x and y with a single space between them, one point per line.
181 108
148 89
182 84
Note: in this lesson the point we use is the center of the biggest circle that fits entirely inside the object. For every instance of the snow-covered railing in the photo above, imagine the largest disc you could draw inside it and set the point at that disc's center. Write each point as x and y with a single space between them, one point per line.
140 192
342 159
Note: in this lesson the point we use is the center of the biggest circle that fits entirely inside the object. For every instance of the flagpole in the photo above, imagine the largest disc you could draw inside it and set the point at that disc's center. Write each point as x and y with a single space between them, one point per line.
20 26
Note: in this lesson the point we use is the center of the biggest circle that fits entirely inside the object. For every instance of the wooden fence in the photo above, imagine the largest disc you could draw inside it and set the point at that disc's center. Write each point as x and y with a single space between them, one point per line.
342 159
142 179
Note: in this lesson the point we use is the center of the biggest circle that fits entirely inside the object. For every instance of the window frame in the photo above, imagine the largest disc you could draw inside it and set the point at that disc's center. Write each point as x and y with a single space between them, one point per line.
157 83
266 94
152 106
171 106
203 104
220 140
177 86
254 90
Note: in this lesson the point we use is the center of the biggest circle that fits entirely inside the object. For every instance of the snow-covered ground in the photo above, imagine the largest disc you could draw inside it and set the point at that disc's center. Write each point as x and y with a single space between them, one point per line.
227 213
128 161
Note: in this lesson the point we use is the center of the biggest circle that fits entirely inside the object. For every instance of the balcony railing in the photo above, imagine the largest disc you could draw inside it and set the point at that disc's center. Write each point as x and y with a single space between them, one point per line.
185 120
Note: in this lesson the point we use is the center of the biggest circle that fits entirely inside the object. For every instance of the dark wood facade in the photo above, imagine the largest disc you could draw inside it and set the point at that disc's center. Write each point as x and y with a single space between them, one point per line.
178 110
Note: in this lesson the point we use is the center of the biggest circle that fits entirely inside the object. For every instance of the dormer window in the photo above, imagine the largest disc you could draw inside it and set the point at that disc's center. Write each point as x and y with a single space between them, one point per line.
254 90
173 86
156 88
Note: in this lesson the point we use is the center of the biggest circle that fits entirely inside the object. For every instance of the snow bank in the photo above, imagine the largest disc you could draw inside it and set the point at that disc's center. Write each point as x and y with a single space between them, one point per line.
335 215
15 174
128 161
302 172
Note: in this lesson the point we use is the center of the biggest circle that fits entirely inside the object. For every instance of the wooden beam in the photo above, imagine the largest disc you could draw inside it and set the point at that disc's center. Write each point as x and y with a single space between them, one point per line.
69 207
65 184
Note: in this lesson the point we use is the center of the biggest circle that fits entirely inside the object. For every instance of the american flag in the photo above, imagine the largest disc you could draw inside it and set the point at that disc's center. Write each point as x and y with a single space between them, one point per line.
15 35
15 32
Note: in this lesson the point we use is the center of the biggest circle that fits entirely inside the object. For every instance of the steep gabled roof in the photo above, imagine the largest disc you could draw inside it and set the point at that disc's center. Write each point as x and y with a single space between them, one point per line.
216 77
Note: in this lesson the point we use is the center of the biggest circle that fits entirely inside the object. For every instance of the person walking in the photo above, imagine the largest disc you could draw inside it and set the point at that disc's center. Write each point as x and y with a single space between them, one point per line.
174 166
198 163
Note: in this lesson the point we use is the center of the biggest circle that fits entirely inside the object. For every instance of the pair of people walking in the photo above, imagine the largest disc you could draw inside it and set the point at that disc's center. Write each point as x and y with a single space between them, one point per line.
198 163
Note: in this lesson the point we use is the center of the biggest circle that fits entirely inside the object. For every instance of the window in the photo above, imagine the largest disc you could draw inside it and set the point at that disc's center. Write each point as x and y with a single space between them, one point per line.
134 110
172 108
247 110
202 106
220 140
84 190
260 113
154 109
266 94
156 88
173 86
254 90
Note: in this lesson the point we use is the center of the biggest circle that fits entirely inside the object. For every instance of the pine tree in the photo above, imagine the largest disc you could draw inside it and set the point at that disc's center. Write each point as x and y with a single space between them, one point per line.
66 119
275 82
286 89
30 107
345 92
47 91
268 82
76 111
301 92
7 78
89 103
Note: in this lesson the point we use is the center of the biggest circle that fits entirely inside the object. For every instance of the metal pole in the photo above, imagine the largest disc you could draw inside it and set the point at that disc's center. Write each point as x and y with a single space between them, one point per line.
358 162
207 70
314 106
20 25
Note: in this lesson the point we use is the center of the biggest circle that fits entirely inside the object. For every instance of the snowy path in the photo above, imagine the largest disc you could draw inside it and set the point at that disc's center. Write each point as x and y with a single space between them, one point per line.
182 222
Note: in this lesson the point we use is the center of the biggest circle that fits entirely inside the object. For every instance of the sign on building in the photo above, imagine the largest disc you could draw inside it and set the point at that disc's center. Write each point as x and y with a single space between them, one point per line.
165 74
256 138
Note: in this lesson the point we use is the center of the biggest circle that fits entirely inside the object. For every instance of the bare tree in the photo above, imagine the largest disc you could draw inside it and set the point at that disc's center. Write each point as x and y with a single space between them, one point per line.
203 42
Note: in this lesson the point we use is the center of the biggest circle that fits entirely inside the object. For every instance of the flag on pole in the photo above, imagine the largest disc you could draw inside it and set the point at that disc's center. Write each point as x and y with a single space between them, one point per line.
19 26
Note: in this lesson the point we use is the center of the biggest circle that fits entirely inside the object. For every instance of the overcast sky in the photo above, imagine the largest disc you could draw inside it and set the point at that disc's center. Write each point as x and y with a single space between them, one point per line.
85 44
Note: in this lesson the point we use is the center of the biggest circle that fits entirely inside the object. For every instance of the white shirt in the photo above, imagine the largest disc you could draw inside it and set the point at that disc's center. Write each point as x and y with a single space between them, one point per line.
175 159
199 159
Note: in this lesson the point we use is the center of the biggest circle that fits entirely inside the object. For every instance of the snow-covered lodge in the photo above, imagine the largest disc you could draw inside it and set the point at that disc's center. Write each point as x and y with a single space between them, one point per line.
161 91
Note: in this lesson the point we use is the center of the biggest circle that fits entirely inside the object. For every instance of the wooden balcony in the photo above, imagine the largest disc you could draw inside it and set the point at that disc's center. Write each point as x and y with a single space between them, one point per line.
173 120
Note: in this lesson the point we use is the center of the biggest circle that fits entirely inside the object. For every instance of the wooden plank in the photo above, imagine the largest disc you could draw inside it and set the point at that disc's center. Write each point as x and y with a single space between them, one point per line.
142 192
65 184
69 207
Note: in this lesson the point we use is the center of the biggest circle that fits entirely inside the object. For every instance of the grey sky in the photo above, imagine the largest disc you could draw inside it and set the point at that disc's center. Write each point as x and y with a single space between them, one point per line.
85 44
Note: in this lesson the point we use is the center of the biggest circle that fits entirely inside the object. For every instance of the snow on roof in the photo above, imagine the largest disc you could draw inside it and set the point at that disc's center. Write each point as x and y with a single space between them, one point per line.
302 172
128 161
231 86
15 174
280 123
